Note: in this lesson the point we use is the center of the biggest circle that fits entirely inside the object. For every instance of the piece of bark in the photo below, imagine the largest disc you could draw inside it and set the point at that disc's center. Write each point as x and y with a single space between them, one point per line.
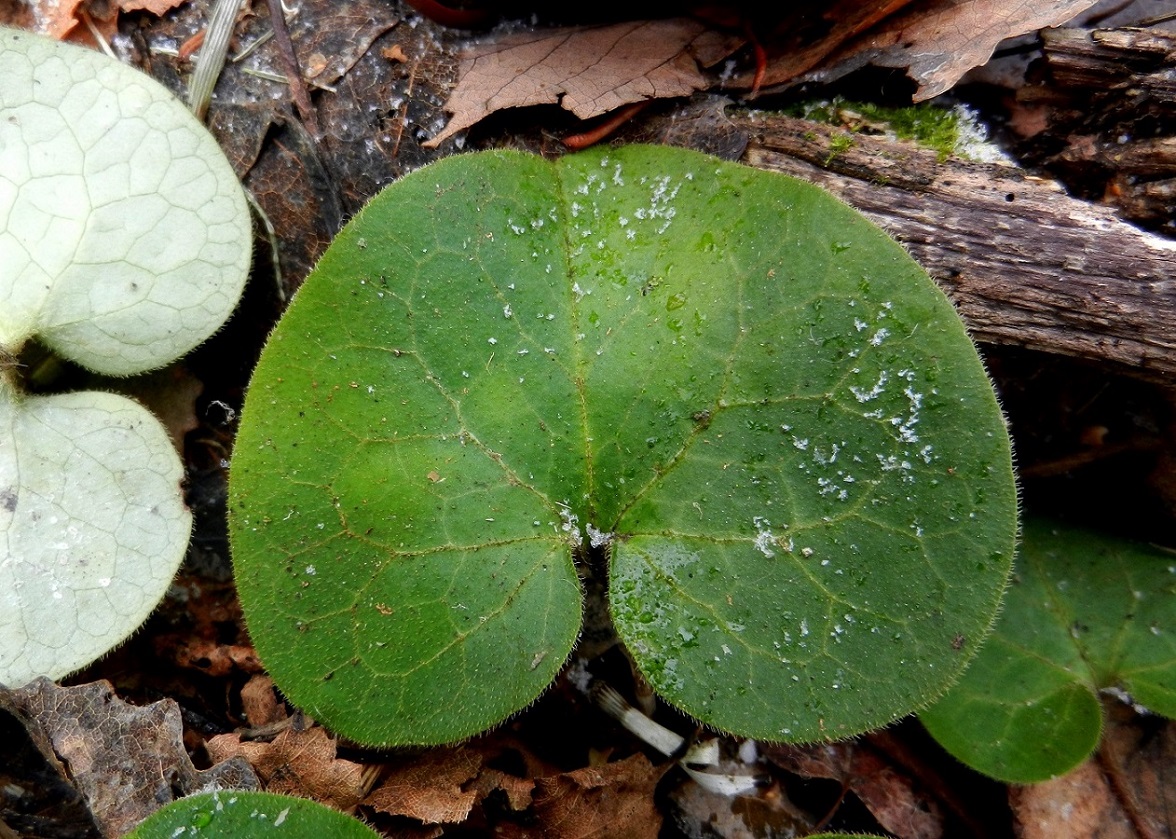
1101 59
1108 93
1025 264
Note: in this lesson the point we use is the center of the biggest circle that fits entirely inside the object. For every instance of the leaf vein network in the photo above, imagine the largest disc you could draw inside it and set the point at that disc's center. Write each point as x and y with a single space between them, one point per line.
716 407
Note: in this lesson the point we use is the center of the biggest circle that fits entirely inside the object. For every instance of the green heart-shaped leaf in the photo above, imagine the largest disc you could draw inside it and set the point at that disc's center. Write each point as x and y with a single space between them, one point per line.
733 385
245 815
1085 612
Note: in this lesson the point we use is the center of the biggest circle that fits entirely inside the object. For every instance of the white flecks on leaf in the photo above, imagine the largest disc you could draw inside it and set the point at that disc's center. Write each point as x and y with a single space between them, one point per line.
569 526
597 538
863 395
764 541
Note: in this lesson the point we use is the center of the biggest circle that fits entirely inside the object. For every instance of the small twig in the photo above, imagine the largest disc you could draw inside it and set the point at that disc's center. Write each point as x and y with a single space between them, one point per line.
268 75
268 731
259 41
212 55
761 60
615 120
833 808
1086 457
449 16
191 45
293 72
271 237
97 35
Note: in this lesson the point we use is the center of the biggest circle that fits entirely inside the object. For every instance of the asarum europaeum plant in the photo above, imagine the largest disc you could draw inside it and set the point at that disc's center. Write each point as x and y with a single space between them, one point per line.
722 384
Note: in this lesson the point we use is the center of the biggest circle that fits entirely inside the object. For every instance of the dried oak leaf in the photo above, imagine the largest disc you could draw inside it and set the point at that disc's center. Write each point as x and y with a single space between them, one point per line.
127 761
259 702
890 795
207 656
613 800
431 788
55 18
155 7
518 791
937 41
300 763
587 70
805 34
37 798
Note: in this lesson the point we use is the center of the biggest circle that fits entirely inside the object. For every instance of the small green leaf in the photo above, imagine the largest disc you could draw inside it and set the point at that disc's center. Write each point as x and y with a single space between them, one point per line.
730 384
248 815
1085 612
92 527
125 238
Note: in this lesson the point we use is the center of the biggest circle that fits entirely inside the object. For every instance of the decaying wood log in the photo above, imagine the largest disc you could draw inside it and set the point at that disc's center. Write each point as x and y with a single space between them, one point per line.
1113 61
1112 98
1026 264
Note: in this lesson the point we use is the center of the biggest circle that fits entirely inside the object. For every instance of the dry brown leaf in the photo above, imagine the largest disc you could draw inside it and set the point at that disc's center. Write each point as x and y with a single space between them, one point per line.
62 20
155 7
126 760
890 795
259 702
614 800
431 787
37 797
802 38
55 18
1080 805
17 15
301 763
207 656
937 41
586 70
518 791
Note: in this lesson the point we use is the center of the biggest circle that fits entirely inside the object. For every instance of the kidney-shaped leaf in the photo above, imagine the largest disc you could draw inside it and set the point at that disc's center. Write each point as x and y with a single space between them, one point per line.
92 527
730 384
247 815
1085 612
124 234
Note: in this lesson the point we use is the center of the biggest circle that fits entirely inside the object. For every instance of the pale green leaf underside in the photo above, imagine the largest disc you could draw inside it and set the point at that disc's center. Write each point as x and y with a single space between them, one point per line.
769 404
1085 612
124 235
92 528
247 815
